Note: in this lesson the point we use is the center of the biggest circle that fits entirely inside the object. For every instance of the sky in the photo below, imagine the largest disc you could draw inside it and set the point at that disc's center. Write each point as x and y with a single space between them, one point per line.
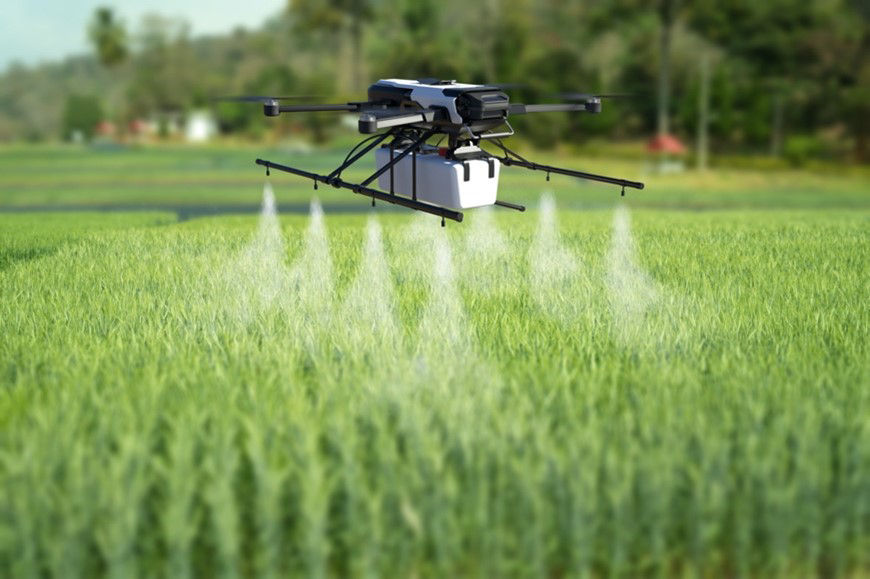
34 31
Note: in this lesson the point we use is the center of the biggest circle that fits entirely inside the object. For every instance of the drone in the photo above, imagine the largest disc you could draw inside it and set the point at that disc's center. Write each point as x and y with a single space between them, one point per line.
400 116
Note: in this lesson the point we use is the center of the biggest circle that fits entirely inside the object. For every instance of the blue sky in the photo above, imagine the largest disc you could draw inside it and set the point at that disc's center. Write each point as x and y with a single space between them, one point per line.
33 31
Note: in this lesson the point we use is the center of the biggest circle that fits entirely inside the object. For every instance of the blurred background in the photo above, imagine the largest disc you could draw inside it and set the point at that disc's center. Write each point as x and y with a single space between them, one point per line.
778 85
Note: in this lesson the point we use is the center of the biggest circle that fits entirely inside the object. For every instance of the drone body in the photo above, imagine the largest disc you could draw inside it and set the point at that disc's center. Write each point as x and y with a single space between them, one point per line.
436 180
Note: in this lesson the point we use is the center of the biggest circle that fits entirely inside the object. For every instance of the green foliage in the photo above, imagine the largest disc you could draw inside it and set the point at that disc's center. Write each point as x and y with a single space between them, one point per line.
166 74
809 55
333 13
223 175
81 114
200 399
108 36
799 149
337 18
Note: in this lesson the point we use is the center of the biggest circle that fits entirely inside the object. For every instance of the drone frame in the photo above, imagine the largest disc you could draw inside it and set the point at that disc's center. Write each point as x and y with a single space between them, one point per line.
336 181
411 125
421 135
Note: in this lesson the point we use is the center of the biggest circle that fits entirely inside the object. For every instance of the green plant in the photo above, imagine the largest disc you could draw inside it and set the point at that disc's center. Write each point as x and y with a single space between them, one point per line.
524 395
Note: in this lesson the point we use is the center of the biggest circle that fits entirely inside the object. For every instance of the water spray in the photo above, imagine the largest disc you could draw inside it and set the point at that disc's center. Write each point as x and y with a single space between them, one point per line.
631 290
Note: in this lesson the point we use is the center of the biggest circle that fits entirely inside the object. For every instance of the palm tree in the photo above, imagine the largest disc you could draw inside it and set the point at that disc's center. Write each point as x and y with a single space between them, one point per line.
108 36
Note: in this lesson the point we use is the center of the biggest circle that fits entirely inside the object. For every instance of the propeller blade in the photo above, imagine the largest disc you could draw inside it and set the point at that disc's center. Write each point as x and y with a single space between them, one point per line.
507 85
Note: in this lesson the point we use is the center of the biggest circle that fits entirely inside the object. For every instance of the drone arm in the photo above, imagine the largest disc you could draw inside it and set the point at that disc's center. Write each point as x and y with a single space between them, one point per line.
442 212
512 158
350 107
371 121
507 161
514 206
590 106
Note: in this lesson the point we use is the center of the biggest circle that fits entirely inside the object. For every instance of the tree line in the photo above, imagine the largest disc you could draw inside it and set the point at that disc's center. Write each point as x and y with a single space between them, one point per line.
779 76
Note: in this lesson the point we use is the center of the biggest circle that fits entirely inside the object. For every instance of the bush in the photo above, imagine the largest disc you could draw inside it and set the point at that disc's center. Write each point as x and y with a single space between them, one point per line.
82 113
800 149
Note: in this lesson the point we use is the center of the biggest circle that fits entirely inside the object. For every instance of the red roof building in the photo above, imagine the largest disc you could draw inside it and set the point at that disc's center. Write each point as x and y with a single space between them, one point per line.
668 144
105 129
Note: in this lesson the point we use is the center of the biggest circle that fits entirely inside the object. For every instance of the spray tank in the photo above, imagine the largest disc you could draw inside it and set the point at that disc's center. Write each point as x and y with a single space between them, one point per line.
459 179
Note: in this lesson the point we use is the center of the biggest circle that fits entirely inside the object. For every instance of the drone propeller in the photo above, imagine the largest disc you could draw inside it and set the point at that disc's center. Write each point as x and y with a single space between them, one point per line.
507 85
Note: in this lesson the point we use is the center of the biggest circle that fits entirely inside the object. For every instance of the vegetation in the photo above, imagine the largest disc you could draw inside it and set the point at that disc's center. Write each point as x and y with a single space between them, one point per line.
555 393
178 176
385 397
774 70
108 36
81 116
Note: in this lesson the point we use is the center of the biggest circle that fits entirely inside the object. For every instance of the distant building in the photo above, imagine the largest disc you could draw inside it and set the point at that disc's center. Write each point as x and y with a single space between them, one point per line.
105 130
667 144
200 127
140 128
669 152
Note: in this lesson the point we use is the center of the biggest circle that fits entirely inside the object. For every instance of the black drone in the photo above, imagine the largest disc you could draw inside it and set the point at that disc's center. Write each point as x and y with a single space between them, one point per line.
423 177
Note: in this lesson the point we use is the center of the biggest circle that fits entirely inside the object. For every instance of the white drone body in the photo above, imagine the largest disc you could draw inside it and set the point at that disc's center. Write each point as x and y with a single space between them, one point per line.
433 95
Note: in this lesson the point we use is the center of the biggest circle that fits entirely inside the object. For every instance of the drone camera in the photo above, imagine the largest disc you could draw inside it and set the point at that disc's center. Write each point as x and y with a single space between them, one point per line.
593 105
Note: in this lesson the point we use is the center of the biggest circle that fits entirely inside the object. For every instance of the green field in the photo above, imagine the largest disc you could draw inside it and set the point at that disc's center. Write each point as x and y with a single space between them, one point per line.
78 176
585 389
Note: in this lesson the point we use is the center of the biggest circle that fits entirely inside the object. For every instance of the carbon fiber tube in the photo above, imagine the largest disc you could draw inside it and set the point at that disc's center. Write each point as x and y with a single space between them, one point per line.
367 191
571 173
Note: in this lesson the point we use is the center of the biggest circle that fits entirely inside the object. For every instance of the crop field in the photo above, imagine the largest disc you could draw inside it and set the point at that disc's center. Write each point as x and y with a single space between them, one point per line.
592 388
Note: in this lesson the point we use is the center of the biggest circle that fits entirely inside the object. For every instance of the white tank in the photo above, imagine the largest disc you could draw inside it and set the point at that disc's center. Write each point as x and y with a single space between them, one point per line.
440 181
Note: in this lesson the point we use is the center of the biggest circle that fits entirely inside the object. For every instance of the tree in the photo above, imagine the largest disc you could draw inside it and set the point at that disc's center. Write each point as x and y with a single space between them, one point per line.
81 114
108 36
165 76
798 51
702 145
339 15
407 49
667 11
